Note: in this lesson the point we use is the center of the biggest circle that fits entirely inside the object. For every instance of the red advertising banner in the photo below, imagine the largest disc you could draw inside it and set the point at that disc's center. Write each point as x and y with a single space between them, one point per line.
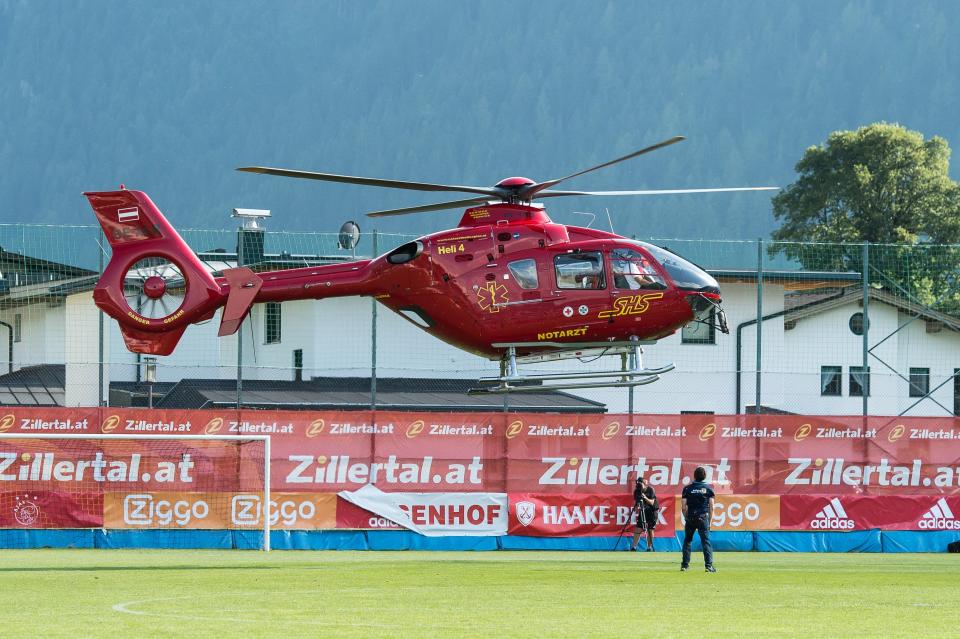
559 453
864 512
575 515
50 509
568 456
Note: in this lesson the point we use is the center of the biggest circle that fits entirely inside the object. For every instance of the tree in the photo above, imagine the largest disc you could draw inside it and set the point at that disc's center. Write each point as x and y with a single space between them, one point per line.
882 184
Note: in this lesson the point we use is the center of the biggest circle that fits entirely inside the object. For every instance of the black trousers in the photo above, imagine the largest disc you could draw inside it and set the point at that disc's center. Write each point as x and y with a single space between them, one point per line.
701 525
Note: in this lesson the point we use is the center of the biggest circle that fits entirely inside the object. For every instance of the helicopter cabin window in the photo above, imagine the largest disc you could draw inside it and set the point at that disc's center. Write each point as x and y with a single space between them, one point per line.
632 271
524 272
580 270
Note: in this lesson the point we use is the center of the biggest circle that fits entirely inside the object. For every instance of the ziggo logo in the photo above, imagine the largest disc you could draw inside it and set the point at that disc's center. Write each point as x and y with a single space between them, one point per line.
146 510
247 510
734 515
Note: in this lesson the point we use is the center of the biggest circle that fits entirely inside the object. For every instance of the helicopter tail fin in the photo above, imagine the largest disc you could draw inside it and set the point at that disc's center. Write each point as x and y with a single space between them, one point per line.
154 284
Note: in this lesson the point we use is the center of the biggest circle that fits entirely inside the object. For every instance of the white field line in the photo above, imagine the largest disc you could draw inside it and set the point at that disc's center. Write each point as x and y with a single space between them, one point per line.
127 607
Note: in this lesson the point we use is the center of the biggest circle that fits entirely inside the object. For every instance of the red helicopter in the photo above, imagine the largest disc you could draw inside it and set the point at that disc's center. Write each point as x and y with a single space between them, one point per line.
508 283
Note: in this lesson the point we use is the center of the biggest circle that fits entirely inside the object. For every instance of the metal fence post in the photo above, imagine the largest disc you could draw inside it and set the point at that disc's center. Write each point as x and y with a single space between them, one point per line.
865 376
756 403
240 239
373 339
100 398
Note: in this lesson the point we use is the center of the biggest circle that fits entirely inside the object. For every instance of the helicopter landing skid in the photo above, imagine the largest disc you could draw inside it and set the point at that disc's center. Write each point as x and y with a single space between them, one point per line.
631 372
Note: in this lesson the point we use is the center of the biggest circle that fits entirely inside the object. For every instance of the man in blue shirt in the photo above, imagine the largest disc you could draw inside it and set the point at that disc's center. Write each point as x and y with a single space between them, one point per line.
697 508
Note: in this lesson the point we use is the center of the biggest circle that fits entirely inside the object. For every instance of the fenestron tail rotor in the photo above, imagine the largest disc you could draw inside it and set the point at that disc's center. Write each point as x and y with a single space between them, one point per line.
154 287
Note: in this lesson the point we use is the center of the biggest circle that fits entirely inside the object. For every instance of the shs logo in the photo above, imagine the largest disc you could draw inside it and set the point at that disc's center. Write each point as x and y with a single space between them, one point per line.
832 517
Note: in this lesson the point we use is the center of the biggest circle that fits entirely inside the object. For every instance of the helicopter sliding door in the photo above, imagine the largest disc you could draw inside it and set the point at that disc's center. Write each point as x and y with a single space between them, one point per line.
580 291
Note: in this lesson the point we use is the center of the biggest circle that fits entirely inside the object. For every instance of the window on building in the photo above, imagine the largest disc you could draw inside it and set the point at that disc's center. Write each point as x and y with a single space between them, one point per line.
831 380
859 381
580 270
856 323
271 323
17 327
298 365
702 330
919 382
524 272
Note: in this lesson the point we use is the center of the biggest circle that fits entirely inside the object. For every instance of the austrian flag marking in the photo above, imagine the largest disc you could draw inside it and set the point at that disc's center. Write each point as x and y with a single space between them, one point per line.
128 215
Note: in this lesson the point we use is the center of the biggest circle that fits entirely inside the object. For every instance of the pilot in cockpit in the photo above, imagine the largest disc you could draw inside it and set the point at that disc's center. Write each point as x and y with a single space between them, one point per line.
635 273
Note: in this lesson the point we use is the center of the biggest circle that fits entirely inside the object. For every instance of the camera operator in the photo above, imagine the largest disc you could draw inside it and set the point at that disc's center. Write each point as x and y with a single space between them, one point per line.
648 510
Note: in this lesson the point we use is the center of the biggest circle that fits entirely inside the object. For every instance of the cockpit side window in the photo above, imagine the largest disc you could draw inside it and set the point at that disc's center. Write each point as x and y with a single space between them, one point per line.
633 272
524 272
580 270
685 275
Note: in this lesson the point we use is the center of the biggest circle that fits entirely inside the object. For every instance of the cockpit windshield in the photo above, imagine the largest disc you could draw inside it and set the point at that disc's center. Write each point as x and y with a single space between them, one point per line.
685 275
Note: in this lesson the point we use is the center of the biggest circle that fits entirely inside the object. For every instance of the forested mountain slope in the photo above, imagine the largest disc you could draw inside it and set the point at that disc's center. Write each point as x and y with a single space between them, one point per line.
169 97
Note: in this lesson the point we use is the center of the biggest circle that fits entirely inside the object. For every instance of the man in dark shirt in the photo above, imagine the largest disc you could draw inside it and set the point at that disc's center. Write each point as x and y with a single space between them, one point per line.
648 510
697 507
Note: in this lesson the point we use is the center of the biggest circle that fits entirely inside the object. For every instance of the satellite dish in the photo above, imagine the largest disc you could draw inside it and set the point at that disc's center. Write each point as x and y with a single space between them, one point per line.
349 236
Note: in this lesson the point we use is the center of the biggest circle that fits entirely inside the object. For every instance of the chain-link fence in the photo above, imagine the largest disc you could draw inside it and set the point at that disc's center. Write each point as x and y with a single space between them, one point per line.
813 328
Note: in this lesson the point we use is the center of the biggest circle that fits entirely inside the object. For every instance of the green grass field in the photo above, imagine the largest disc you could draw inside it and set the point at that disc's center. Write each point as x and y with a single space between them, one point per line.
157 593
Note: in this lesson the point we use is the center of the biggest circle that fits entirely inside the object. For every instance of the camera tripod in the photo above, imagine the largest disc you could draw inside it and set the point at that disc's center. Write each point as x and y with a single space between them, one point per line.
641 521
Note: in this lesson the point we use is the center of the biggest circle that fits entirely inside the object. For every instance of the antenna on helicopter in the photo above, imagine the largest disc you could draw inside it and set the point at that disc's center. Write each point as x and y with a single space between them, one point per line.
609 220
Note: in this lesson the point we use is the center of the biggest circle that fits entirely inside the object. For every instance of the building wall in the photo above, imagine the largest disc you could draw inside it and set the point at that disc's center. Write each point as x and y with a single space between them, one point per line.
826 340
42 335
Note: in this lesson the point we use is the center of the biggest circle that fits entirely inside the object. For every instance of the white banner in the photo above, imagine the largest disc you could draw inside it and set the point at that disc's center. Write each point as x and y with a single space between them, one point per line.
437 514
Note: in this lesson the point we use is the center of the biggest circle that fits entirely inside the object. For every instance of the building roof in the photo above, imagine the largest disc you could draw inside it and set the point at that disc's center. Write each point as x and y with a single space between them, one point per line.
34 386
806 305
354 393
791 280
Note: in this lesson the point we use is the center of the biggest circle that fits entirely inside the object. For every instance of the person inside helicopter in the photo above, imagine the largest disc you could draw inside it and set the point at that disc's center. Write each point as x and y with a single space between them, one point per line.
632 271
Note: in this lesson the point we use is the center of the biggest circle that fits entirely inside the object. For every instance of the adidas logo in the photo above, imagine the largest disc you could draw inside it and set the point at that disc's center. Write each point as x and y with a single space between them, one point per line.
940 517
832 517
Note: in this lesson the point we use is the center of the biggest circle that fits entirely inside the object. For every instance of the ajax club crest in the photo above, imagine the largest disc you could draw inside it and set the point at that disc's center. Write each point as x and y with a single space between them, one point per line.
26 511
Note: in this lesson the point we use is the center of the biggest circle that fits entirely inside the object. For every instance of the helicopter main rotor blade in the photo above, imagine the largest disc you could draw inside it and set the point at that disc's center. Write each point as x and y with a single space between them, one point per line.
350 179
534 189
658 191
455 204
